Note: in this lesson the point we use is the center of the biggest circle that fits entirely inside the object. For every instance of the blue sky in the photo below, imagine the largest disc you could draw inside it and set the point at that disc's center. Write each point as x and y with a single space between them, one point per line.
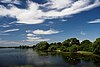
31 21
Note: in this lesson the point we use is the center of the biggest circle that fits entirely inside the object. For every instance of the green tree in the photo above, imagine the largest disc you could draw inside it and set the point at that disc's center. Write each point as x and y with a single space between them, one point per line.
63 48
53 43
74 41
97 49
86 45
66 43
70 42
43 45
96 46
59 44
73 48
52 48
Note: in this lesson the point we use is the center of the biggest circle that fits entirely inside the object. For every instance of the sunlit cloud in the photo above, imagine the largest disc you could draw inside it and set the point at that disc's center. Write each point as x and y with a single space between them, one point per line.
30 35
10 30
56 8
94 21
45 32
36 39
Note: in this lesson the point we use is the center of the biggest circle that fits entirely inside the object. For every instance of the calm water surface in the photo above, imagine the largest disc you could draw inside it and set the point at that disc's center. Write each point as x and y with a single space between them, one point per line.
29 58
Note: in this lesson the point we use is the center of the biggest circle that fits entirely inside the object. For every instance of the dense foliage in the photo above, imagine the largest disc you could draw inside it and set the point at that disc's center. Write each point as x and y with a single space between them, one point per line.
42 45
71 45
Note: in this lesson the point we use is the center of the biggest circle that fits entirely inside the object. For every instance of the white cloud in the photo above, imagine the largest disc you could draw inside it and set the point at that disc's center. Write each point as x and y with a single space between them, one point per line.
95 21
35 39
59 4
34 15
45 31
4 25
10 30
10 1
30 35
82 33
12 22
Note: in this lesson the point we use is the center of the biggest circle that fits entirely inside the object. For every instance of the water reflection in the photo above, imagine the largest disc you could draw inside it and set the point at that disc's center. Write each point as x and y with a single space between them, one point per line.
74 59
31 58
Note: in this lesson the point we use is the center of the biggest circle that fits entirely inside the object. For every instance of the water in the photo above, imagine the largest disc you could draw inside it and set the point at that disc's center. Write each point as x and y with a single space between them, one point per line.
10 57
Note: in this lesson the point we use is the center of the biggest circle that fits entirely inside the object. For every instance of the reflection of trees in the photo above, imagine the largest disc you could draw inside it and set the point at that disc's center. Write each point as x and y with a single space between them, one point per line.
97 61
90 58
70 58
42 53
73 58
87 58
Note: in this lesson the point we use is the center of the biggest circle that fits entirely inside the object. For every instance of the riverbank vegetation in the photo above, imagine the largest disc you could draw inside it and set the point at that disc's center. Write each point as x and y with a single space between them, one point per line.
72 45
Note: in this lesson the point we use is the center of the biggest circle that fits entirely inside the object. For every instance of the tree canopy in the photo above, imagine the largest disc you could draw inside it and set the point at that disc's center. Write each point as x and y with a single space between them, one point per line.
71 45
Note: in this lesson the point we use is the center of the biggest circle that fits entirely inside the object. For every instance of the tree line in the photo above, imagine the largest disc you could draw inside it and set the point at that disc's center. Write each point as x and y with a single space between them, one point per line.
70 45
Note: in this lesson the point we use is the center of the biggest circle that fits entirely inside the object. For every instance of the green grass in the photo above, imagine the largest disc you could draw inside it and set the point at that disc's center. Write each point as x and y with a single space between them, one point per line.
84 52
87 53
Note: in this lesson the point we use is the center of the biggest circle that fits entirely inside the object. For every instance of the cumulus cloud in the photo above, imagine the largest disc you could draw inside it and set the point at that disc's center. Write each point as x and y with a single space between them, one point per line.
58 4
45 31
31 37
10 30
56 8
95 21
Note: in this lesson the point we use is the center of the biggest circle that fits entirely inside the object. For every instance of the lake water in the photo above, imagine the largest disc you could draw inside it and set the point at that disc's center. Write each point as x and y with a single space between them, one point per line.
10 57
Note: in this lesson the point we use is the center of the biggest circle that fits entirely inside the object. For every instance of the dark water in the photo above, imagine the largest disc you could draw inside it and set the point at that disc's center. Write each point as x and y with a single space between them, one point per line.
30 58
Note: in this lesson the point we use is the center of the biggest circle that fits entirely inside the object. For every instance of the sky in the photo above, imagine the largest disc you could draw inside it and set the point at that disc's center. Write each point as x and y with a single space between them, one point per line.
27 22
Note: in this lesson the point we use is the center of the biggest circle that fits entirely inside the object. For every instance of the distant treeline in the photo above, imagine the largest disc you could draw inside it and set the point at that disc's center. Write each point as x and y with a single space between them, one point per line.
69 45
21 46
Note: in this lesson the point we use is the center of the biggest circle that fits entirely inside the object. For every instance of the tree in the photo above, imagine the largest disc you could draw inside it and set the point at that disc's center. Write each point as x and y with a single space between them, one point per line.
70 42
74 41
59 44
66 43
96 46
97 49
23 46
73 48
52 48
53 43
63 48
86 45
43 45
